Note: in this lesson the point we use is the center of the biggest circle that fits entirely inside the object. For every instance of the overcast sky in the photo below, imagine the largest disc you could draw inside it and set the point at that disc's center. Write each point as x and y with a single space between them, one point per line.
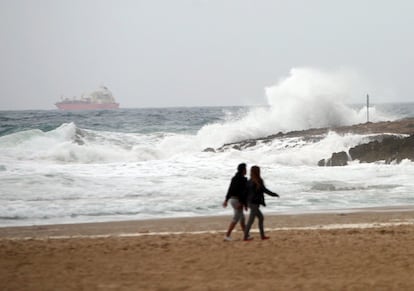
197 52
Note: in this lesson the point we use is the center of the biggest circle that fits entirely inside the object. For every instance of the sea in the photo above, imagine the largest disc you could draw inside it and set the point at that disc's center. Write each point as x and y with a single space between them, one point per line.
136 164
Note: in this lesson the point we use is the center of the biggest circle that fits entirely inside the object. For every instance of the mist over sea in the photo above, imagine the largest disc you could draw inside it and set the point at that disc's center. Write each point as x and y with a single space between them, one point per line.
126 164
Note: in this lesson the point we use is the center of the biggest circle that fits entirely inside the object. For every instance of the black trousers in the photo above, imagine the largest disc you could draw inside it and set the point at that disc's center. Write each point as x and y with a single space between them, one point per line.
254 212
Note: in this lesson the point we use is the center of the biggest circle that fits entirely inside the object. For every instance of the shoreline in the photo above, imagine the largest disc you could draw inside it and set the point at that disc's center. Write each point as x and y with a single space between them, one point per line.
351 218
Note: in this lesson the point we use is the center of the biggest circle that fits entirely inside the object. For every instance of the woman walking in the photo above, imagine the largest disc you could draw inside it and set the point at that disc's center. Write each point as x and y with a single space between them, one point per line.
236 195
255 198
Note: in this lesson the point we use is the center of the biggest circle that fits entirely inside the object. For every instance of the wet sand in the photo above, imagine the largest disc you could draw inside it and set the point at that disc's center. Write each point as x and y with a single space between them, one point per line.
364 250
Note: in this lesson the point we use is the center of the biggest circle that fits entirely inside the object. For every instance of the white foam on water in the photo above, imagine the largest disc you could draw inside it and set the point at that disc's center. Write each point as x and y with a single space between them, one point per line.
189 186
307 98
92 187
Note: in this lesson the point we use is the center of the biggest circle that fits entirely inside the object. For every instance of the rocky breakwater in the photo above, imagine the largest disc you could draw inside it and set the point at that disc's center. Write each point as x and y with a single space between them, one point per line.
390 148
394 146
389 141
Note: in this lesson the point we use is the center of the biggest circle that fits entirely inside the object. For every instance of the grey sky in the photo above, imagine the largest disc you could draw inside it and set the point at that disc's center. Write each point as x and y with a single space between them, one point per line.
194 52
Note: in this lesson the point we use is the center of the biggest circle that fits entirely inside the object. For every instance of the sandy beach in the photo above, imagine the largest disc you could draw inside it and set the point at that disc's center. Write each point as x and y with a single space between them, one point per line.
362 250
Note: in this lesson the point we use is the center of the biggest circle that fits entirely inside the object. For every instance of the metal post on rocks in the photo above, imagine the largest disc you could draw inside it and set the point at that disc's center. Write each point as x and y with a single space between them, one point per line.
367 108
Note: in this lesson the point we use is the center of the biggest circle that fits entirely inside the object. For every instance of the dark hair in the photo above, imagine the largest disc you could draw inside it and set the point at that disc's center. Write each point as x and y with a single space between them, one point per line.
241 167
255 177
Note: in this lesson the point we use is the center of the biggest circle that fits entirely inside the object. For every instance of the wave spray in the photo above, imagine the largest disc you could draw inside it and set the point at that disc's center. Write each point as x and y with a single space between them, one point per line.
306 98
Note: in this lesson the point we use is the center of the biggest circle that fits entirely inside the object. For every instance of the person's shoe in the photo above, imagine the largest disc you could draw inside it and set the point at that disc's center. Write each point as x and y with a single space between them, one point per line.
228 238
265 237
248 239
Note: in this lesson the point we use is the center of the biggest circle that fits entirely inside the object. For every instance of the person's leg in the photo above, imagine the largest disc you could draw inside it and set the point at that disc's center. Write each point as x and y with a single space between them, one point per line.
261 224
242 221
230 229
252 216
238 211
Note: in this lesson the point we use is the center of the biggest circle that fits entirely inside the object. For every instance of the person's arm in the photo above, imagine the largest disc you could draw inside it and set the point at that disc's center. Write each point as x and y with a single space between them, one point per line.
229 193
268 192
243 198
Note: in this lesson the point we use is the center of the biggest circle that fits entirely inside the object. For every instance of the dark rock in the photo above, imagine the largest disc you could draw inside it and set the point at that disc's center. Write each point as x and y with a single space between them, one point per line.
322 163
337 159
384 148
391 148
238 145
209 150
403 126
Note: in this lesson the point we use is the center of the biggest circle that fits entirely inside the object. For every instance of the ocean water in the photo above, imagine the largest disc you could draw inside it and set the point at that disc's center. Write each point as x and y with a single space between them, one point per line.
128 164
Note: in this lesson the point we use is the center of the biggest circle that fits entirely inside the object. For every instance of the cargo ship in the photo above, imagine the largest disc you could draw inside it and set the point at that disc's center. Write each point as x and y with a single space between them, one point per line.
101 99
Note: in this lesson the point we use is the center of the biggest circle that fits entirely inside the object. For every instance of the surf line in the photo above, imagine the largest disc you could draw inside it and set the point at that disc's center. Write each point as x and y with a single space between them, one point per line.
171 233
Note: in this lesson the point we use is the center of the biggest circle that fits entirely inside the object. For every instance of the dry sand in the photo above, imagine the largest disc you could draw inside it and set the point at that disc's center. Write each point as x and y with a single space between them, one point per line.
368 250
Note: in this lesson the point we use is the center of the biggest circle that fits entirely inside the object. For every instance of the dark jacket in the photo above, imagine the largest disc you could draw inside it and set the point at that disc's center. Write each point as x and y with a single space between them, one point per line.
237 188
255 196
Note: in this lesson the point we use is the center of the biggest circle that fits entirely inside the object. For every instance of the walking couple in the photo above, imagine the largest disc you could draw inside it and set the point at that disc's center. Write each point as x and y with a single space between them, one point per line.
245 194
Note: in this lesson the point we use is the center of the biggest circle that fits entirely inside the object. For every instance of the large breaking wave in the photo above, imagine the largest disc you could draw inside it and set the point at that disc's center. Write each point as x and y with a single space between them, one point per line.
306 98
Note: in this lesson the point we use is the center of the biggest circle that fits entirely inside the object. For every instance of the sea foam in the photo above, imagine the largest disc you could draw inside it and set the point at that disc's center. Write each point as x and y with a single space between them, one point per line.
81 172
306 98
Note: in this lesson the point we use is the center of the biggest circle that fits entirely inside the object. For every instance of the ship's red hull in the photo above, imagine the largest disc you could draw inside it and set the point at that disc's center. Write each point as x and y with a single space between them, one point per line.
86 106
